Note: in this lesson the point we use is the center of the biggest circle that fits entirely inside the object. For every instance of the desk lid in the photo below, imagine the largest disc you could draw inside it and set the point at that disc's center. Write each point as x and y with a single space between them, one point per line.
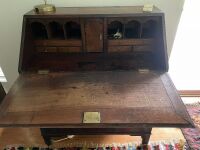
123 98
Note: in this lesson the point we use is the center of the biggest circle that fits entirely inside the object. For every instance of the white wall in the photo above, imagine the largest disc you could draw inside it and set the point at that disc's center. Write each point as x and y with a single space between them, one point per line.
11 13
184 61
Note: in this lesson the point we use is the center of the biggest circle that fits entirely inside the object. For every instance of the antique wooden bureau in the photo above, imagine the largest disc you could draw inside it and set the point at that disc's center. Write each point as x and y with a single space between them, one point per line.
94 71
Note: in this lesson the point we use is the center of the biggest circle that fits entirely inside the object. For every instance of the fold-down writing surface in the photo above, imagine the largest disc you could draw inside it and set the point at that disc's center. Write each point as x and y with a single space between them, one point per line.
122 98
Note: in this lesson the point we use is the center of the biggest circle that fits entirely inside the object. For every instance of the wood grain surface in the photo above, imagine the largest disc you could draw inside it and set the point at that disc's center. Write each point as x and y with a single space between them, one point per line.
89 11
124 98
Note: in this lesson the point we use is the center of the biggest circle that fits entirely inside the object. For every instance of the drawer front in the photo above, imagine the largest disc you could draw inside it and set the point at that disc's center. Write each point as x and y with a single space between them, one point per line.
46 49
143 48
130 42
56 43
117 49
69 49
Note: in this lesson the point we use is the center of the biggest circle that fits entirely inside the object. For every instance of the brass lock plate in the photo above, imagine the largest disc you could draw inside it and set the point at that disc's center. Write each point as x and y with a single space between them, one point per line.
91 117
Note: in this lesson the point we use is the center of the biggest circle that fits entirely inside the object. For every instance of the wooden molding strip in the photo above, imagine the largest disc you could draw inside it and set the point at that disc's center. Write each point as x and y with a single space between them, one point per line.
189 93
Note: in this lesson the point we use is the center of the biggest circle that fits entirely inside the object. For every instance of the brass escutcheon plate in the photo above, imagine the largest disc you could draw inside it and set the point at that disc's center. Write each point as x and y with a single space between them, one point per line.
91 117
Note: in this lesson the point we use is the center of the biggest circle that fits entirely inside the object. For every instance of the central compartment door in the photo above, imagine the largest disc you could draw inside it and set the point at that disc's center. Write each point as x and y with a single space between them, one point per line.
94 35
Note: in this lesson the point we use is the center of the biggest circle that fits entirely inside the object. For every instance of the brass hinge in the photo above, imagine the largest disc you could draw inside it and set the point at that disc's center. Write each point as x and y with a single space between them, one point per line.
43 72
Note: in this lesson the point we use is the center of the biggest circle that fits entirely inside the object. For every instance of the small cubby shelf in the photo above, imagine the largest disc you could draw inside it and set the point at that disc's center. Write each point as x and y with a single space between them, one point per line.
149 29
56 30
39 30
114 28
131 29
64 36
87 41
57 36
73 30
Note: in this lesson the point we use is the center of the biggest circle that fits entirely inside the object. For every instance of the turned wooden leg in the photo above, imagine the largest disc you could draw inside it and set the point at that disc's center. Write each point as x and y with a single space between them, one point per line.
145 139
146 136
47 139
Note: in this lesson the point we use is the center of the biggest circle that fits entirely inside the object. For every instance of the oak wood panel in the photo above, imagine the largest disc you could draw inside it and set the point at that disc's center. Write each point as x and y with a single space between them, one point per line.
94 35
46 49
124 98
81 15
116 49
101 11
58 42
130 42
69 49
144 48
175 98
58 49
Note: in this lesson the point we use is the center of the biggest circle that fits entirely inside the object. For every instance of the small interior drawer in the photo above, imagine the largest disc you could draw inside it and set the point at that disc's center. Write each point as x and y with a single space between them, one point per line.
143 48
46 49
116 49
69 49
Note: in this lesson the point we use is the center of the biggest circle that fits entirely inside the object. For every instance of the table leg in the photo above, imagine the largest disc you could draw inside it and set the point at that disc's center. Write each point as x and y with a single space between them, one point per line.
145 139
47 139
146 136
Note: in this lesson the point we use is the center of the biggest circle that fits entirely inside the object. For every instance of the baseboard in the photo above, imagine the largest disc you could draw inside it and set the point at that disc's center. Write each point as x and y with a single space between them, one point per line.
189 93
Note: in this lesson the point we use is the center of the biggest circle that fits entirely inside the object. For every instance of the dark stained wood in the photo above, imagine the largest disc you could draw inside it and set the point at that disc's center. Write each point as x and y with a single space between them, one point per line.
83 34
176 100
49 133
94 35
58 43
69 49
90 70
117 49
144 48
58 49
91 35
105 42
98 11
130 42
145 138
2 93
128 97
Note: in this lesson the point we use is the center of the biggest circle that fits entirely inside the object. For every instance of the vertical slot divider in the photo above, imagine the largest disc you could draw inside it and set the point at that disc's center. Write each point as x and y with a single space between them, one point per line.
38 27
123 28
46 24
64 29
105 38
140 33
82 24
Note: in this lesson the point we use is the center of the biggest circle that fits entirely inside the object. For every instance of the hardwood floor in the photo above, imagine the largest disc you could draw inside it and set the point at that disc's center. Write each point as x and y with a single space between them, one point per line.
31 136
